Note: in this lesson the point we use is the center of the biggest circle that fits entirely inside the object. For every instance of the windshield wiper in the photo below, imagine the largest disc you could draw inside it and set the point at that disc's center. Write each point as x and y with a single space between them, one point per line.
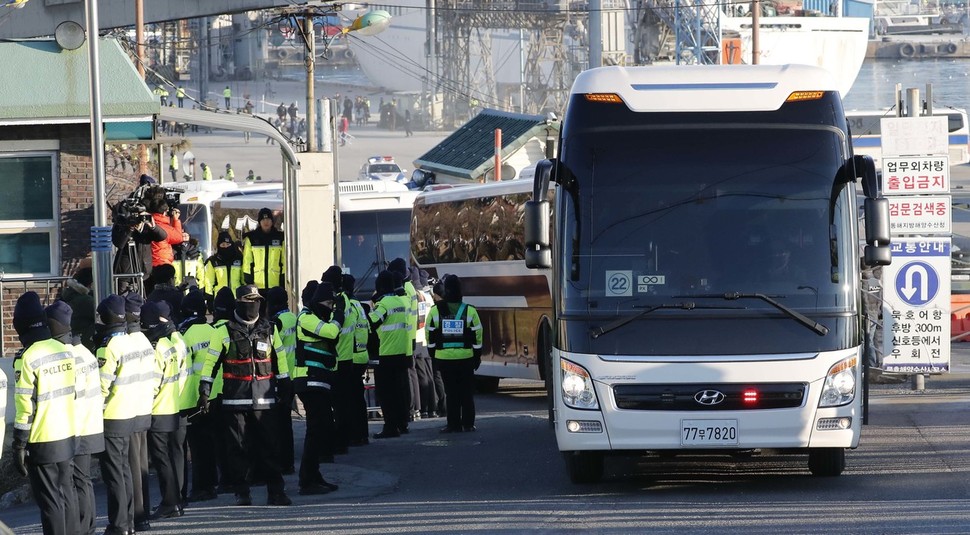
819 329
596 332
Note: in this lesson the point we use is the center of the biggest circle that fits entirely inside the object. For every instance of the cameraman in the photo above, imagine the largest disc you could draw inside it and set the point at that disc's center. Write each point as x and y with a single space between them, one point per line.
166 218
133 231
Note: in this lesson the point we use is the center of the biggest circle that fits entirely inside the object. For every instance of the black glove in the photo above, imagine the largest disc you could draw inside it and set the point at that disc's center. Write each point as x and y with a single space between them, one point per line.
204 390
338 315
20 458
477 358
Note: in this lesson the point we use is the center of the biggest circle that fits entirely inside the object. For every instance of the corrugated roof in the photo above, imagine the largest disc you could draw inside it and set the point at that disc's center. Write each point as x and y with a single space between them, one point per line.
470 150
43 83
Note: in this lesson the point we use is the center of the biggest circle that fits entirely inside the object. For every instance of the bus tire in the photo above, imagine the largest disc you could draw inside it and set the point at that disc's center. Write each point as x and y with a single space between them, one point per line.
584 467
907 50
486 385
826 462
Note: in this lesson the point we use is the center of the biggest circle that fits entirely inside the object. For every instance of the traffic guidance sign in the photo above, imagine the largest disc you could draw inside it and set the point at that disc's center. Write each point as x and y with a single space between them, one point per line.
916 312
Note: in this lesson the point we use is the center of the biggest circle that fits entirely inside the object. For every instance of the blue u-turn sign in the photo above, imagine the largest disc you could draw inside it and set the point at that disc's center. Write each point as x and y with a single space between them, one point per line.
917 283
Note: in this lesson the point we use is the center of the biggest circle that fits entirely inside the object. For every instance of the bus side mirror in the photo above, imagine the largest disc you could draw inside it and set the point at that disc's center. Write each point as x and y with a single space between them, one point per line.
538 251
876 210
865 168
878 255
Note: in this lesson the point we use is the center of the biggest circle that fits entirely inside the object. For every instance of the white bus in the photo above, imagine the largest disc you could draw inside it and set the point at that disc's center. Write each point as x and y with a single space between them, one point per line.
865 127
373 225
195 205
705 265
476 232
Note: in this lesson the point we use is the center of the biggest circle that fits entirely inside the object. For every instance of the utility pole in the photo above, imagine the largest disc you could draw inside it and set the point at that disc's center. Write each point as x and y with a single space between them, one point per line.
755 24
101 251
140 51
308 60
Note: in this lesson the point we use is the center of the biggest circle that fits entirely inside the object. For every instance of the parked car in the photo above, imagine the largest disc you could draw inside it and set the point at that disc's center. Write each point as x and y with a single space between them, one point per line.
382 168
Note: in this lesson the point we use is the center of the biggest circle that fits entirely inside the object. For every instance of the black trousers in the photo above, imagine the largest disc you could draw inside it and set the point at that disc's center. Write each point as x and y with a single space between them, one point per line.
414 387
394 391
84 488
459 377
180 447
284 418
140 493
252 435
426 394
318 442
349 405
160 445
116 474
204 438
53 490
439 388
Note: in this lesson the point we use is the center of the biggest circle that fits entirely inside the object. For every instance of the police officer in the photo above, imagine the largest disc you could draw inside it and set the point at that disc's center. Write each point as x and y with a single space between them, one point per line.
223 269
223 309
143 399
347 386
316 366
88 414
120 371
264 255
284 322
404 287
254 377
455 339
206 172
44 425
167 434
189 265
357 405
390 320
201 427
422 359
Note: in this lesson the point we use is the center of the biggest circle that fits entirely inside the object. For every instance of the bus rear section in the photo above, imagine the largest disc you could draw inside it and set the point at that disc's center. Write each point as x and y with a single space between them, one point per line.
706 269
476 232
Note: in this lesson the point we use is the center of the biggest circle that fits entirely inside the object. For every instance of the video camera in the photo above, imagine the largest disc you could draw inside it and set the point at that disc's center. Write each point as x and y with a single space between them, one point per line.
135 209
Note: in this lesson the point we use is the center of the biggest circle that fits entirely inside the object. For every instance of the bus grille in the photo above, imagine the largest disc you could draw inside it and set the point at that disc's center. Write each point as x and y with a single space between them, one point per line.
709 397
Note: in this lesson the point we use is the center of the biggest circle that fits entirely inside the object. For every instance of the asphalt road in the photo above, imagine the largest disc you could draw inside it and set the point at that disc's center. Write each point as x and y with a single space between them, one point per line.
909 475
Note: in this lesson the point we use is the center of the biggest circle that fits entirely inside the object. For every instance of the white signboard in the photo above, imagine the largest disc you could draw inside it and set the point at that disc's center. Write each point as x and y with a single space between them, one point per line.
915 175
916 306
924 214
914 136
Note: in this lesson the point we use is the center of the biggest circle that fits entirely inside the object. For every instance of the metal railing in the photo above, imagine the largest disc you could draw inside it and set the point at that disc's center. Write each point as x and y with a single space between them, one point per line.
51 282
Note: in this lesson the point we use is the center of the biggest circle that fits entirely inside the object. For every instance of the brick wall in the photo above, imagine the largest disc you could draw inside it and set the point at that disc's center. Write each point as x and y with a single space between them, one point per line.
75 205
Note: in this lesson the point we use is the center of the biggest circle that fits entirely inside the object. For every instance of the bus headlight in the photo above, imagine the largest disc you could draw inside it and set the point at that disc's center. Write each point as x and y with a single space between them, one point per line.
839 387
577 386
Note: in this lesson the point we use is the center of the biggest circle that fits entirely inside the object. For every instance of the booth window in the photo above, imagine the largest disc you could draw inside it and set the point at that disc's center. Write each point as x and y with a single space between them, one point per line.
28 214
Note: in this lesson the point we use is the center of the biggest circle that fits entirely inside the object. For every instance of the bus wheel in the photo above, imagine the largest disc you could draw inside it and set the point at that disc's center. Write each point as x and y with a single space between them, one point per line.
826 462
584 466
486 385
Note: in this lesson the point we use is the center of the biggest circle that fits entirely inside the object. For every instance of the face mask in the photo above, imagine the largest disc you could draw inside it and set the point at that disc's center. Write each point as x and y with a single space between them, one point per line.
248 310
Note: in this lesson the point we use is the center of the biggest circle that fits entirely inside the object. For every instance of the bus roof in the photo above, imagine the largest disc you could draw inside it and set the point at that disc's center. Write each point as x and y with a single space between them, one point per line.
462 192
704 88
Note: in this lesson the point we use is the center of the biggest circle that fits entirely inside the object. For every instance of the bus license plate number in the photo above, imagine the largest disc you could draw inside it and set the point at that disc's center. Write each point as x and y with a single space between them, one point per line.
709 433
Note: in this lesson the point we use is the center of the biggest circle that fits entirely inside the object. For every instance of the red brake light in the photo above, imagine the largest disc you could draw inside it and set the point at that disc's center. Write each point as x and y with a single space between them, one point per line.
750 396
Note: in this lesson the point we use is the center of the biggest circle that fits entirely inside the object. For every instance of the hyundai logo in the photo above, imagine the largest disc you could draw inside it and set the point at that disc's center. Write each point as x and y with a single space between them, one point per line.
709 397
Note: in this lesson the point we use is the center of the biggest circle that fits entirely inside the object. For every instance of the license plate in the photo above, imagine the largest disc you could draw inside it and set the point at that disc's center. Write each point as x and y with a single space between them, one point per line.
708 432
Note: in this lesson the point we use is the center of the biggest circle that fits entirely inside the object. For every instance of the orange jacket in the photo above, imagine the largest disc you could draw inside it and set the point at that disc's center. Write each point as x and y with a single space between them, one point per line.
162 252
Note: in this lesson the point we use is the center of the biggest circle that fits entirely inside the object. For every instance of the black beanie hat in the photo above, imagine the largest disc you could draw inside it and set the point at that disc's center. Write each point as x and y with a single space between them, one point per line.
224 303
306 296
133 304
452 289
29 313
348 283
146 180
385 283
111 310
324 292
224 237
153 313
85 276
399 267
334 276
59 316
264 213
163 273
193 304
276 300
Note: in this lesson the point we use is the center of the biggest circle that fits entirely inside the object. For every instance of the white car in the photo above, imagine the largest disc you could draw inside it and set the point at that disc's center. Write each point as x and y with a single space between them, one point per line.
382 168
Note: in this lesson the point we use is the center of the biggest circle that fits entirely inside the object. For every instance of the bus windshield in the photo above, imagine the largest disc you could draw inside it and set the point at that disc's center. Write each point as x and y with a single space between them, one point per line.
369 240
707 210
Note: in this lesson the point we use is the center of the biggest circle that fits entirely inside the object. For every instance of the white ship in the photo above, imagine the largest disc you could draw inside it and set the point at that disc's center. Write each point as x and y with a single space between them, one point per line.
396 60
